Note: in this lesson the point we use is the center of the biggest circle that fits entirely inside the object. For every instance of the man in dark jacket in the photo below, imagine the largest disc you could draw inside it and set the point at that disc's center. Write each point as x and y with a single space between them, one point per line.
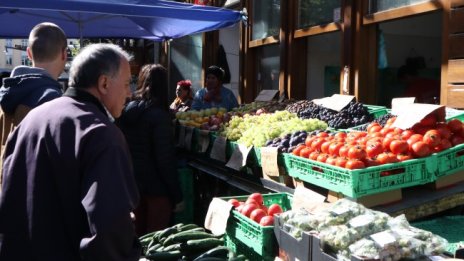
29 87
68 181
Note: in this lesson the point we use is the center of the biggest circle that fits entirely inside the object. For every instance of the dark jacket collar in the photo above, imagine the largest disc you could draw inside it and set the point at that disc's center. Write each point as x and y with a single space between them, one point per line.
84 96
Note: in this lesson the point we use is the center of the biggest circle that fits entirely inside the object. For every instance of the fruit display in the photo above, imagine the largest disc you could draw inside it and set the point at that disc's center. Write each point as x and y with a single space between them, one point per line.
299 106
353 114
347 228
288 142
255 209
382 145
207 119
186 242
382 120
257 129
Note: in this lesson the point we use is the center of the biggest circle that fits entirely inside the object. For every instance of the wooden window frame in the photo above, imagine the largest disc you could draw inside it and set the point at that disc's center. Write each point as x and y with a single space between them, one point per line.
401 12
318 29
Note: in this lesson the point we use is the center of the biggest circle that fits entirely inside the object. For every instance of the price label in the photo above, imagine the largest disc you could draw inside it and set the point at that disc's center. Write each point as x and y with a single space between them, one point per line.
239 157
218 151
266 95
384 238
217 216
269 161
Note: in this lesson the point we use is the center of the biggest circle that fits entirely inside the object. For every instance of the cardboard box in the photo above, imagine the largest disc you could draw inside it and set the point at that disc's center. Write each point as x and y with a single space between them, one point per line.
318 254
382 198
449 180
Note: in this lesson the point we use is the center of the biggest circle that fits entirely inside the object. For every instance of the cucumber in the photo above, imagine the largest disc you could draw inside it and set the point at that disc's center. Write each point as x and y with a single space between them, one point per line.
187 227
149 235
171 247
203 244
211 259
218 252
185 236
154 248
169 231
165 256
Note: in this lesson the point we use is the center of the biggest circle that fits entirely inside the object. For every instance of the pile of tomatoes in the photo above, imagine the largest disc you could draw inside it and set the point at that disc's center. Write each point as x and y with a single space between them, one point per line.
382 144
255 209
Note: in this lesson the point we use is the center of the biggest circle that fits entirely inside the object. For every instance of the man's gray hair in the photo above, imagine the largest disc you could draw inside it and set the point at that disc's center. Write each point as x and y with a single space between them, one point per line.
93 61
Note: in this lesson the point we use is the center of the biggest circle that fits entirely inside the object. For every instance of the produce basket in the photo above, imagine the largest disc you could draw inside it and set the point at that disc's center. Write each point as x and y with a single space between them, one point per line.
295 249
248 237
361 182
449 227
376 110
449 161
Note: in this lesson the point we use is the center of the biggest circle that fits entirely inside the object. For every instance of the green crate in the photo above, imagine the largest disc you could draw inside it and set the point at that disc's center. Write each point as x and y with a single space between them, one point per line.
257 157
449 227
186 186
361 182
449 161
454 114
242 249
260 240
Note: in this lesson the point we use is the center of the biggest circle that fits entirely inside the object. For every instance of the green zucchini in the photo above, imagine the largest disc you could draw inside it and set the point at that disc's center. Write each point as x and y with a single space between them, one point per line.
169 231
205 243
211 259
187 227
172 247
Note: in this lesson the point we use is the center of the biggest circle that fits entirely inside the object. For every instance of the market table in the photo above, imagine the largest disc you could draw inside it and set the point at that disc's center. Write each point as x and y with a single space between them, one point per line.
417 202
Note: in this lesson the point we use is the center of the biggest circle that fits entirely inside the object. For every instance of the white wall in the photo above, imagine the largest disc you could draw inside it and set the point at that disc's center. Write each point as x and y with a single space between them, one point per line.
229 38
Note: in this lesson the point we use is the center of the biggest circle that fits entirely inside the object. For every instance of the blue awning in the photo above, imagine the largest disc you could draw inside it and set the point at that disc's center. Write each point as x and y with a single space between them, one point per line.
148 19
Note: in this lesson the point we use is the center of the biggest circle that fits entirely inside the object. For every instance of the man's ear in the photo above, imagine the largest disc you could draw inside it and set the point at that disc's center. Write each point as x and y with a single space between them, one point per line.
103 84
29 53
64 54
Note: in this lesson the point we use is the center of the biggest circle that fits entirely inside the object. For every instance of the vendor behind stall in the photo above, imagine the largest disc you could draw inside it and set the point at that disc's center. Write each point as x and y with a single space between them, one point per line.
214 94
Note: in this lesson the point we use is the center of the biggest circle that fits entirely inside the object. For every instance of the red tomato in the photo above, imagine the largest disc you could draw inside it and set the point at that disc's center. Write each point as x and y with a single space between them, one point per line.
385 131
298 149
343 151
248 208
406 134
267 221
370 125
331 160
429 120
386 143
334 148
234 202
309 140
274 209
456 139
240 207
316 144
322 134
257 197
357 152
444 130
445 144
305 152
432 138
375 128
413 139
354 164
384 158
455 125
325 146
251 201
313 155
404 156
340 136
373 149
341 162
369 162
257 214
399 146
420 149
322 157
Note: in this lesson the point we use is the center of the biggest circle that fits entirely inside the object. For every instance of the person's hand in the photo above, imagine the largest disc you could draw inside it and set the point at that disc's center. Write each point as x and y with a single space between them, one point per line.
179 207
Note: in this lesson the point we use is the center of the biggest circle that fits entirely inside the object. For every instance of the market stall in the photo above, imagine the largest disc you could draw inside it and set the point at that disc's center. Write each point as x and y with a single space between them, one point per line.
260 148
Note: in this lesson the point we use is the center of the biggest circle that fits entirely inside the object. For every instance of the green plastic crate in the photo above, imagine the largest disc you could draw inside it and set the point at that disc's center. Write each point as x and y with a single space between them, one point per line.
449 227
449 161
361 182
257 157
242 249
376 110
186 185
259 240
454 114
